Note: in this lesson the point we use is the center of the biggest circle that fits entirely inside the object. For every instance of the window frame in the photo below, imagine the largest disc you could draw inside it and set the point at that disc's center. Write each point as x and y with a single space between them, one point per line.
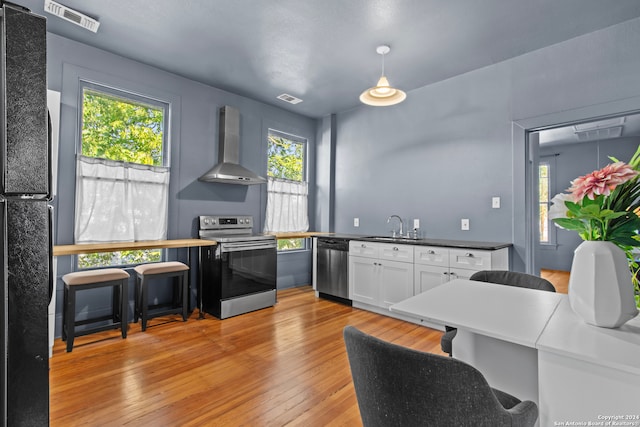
304 142
550 162
127 96
134 98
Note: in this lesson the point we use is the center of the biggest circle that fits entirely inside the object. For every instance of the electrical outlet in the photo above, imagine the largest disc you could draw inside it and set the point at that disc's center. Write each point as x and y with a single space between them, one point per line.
356 222
495 202
464 224
416 223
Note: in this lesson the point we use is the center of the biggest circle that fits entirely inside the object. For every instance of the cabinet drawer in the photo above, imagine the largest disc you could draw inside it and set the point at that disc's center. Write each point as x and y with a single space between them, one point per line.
402 253
364 249
432 255
470 259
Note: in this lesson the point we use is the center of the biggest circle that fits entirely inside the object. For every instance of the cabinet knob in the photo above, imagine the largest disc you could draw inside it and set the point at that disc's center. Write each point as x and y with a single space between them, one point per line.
469 254
431 252
363 245
395 248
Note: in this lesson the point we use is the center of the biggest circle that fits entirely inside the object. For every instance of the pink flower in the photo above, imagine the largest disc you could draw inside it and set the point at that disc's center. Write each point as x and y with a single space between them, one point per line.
602 181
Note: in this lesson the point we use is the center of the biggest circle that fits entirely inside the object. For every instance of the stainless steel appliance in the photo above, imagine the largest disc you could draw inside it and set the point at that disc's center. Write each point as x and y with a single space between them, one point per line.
25 190
229 170
332 276
238 275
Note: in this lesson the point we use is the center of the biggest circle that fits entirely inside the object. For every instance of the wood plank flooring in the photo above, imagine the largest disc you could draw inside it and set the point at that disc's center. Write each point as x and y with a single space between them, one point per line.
279 366
559 279
284 365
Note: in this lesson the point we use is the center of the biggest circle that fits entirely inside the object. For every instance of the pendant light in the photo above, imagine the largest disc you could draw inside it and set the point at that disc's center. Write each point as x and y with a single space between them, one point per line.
382 94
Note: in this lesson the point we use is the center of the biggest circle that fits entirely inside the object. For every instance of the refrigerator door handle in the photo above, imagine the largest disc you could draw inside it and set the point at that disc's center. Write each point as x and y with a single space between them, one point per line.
49 156
51 278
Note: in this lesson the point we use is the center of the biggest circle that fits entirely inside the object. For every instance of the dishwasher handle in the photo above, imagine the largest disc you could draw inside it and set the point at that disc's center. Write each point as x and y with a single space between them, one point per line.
337 245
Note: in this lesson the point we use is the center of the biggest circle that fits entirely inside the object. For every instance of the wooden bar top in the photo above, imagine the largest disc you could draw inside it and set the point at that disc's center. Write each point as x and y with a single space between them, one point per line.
298 234
87 248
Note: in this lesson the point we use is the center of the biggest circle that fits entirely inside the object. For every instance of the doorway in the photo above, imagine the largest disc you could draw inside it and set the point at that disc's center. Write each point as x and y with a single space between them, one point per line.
557 154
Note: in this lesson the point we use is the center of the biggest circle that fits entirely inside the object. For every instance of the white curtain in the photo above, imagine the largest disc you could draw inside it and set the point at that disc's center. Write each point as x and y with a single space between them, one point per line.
286 206
118 201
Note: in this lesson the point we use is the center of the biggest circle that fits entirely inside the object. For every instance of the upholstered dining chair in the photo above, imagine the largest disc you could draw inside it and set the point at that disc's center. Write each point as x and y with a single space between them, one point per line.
398 386
509 278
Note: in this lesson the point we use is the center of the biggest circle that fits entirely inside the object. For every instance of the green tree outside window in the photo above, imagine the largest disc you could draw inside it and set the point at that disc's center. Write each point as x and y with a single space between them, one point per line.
286 161
127 130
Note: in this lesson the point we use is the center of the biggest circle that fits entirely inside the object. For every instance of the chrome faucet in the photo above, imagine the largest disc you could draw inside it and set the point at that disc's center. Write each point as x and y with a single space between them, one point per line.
401 224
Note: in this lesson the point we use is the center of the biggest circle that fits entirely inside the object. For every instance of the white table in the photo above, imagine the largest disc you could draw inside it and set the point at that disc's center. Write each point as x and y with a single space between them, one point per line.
498 327
586 372
531 344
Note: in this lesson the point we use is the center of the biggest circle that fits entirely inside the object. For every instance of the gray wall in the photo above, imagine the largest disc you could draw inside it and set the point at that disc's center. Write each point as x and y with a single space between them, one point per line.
193 132
442 154
572 161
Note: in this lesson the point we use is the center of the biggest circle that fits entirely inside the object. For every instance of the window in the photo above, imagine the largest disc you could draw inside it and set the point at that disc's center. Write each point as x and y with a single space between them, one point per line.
546 191
122 178
287 188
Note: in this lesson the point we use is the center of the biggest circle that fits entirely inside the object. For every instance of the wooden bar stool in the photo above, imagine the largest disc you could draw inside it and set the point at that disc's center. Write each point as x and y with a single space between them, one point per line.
146 274
93 279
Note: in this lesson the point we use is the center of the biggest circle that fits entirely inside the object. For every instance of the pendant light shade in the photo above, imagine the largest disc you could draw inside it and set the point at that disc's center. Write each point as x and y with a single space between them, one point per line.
382 94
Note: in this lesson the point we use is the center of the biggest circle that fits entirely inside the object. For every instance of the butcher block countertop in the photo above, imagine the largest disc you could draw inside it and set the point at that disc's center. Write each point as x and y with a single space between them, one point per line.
299 234
87 248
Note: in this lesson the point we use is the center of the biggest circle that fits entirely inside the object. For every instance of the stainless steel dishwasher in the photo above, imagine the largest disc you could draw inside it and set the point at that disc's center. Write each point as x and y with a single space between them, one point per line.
332 277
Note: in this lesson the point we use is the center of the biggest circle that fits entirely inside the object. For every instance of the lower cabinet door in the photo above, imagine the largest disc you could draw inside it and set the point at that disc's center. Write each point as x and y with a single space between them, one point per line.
363 280
428 277
396 282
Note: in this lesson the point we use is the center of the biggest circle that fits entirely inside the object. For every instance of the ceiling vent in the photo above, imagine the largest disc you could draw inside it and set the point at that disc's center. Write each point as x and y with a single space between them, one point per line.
596 134
602 129
71 15
289 98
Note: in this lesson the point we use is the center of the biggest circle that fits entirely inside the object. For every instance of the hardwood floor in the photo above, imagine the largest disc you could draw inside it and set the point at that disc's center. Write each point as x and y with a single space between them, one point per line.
284 365
559 279
279 366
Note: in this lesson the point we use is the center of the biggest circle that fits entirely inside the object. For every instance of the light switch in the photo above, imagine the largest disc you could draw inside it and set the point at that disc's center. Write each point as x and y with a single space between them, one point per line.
495 202
356 222
464 224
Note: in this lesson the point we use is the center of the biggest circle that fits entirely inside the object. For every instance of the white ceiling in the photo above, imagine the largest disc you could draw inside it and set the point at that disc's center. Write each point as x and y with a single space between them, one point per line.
323 51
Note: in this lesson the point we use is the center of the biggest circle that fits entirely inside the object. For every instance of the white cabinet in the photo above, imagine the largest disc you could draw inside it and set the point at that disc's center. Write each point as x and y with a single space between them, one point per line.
363 280
380 274
435 265
431 267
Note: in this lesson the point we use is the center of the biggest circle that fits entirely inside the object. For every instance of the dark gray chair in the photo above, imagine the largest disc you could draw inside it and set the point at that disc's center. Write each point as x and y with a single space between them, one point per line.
398 386
509 278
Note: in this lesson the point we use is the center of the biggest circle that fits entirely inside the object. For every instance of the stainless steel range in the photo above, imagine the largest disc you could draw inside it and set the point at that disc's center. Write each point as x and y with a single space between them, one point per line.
239 273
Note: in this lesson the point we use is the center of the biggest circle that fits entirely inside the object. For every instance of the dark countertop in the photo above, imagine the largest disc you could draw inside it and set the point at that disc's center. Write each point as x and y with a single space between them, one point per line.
462 244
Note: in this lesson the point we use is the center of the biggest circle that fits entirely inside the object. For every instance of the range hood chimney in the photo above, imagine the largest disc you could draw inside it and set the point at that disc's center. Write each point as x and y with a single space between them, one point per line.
228 170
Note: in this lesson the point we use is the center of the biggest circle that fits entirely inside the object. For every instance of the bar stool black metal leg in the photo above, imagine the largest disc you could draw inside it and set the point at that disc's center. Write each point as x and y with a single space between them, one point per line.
143 303
71 318
184 300
124 324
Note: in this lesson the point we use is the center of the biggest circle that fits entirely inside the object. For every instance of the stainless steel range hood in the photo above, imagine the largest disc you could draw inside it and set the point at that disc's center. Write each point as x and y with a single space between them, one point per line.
228 170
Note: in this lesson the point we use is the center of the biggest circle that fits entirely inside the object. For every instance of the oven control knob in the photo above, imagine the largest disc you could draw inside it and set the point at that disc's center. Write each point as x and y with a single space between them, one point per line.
241 221
206 221
214 221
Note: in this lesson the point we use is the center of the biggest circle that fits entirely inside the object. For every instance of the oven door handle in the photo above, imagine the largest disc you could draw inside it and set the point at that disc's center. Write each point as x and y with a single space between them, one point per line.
245 246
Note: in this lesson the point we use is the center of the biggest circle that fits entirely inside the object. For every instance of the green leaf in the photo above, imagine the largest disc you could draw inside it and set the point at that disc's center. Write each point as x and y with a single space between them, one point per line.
570 224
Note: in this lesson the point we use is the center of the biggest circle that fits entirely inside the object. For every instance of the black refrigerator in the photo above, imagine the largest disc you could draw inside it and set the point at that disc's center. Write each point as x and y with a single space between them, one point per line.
25 224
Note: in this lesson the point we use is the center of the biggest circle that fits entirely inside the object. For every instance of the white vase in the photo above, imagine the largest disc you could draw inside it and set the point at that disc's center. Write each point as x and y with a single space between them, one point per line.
600 288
